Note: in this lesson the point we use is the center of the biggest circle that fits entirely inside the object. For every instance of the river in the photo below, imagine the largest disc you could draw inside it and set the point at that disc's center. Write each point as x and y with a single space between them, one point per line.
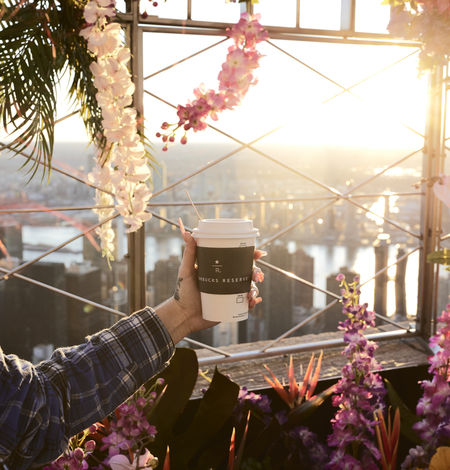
328 260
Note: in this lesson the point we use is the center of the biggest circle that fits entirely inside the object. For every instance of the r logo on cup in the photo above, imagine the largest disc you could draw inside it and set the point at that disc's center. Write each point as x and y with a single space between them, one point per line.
225 250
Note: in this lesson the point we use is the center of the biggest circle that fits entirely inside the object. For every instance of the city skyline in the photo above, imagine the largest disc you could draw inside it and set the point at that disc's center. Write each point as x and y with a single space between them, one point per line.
336 238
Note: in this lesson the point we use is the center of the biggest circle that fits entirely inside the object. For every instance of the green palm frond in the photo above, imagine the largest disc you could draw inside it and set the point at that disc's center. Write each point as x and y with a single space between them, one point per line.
28 73
39 41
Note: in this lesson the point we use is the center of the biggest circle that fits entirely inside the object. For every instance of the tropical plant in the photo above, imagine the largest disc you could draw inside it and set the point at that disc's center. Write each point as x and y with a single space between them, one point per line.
387 439
297 392
39 43
269 433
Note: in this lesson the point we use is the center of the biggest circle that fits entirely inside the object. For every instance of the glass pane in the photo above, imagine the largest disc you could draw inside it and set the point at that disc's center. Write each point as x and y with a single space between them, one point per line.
215 10
281 13
121 6
333 115
176 9
371 16
320 14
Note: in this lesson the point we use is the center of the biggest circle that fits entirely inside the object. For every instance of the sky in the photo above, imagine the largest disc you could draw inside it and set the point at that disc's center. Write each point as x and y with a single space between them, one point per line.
279 78
395 96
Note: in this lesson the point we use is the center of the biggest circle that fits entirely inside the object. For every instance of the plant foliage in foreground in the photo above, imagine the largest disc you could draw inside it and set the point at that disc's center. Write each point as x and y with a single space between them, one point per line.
232 428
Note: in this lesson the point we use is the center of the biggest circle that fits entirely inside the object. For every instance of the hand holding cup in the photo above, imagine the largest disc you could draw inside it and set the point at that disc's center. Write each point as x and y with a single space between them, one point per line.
187 294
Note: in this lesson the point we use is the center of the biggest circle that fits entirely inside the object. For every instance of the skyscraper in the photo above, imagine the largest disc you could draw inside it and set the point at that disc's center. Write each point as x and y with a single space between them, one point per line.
276 291
31 315
84 280
302 266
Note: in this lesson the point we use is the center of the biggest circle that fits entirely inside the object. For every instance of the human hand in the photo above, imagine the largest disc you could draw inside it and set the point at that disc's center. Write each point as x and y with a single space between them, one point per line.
182 314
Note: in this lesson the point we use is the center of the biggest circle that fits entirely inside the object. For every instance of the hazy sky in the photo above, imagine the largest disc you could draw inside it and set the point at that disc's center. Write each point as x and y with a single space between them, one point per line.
287 93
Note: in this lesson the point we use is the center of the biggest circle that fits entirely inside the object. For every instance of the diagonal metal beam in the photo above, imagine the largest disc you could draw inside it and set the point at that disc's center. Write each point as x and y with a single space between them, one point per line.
381 271
344 196
295 224
343 88
55 168
385 219
296 278
385 169
213 163
185 59
63 292
52 209
332 303
304 322
61 245
368 77
207 346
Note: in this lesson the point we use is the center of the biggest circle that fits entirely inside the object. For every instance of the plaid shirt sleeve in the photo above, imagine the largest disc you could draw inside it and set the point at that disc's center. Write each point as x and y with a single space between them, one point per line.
42 406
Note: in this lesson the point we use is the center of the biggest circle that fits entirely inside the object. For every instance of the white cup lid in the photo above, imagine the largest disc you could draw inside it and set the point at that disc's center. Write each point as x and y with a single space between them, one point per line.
225 228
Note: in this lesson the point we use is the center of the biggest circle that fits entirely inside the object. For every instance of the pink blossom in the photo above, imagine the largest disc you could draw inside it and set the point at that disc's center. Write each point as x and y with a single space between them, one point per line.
442 190
216 103
258 275
237 60
235 78
434 406
248 31
443 5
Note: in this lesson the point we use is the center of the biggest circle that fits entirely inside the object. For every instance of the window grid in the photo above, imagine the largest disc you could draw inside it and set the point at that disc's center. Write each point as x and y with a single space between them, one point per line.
431 211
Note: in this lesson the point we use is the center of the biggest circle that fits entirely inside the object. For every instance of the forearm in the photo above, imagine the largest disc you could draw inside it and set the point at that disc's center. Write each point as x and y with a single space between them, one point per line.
174 319
109 367
78 386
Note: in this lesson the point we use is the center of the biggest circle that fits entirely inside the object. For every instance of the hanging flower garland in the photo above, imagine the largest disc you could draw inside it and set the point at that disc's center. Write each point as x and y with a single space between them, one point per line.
123 173
125 170
235 79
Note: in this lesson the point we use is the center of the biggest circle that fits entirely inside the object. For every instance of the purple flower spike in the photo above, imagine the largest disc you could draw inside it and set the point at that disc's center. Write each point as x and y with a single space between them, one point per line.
360 391
434 406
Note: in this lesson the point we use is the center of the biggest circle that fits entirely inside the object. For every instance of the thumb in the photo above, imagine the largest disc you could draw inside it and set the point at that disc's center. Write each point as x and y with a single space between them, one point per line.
189 255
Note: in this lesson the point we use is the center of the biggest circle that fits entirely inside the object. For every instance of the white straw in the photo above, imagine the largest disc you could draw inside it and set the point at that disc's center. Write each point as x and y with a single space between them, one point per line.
193 205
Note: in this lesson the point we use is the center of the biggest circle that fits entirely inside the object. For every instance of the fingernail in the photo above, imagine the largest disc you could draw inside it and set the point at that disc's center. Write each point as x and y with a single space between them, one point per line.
182 229
263 253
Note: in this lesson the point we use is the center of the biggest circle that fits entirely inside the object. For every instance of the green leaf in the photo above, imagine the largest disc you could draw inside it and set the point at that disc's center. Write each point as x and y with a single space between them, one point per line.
307 408
407 417
215 454
259 446
180 377
213 412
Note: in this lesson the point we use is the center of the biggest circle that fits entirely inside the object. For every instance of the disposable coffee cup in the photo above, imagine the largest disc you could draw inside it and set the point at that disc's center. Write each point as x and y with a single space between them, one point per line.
225 250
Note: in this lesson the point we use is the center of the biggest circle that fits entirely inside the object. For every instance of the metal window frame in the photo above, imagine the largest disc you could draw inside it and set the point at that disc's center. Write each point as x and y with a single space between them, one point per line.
429 239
